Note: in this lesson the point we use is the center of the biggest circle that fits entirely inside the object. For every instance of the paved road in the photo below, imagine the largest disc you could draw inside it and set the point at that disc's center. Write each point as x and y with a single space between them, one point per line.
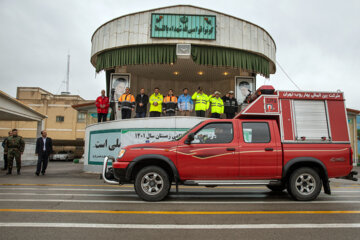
69 204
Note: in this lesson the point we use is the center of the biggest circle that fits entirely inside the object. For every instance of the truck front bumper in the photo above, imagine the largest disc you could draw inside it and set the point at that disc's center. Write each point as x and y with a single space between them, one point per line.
108 173
119 174
115 174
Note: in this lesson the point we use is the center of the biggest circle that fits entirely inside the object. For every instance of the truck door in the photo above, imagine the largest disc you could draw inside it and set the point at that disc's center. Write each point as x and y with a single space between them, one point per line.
211 155
260 150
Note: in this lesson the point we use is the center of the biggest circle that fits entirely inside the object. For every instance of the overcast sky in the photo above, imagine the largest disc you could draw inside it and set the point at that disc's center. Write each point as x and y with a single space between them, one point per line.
317 41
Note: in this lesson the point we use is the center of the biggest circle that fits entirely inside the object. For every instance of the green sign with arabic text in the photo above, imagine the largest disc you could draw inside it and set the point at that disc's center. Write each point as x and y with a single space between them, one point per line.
183 26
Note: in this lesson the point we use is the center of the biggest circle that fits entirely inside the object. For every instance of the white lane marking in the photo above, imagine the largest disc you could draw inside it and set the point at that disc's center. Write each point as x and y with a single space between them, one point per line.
182 226
131 190
170 196
174 202
68 194
71 189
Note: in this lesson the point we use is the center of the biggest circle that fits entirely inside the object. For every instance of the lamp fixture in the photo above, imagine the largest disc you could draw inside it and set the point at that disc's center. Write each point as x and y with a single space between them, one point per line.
200 73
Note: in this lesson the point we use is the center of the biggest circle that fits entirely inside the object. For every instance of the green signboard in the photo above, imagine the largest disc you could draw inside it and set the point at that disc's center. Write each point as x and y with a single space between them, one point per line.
183 26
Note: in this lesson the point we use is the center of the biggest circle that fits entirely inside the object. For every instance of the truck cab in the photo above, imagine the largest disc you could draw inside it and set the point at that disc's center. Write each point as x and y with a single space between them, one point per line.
279 141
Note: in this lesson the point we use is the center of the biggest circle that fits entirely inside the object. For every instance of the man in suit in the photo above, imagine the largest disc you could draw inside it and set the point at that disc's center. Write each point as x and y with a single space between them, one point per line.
43 150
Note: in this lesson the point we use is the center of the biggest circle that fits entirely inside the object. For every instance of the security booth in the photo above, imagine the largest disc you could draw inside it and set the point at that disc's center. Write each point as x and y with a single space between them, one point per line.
180 47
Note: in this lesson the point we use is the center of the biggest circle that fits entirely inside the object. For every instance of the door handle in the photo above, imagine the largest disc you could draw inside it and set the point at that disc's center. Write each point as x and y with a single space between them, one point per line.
230 149
269 149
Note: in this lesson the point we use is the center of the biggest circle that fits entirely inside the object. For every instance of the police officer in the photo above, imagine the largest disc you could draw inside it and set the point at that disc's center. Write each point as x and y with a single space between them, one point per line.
230 104
156 100
217 105
14 148
201 102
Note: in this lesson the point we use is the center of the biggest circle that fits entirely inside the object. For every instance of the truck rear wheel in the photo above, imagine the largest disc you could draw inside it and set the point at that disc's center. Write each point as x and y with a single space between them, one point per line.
304 184
152 184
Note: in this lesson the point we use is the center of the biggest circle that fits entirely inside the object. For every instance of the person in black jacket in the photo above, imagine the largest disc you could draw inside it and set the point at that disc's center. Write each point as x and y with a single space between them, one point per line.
5 154
142 101
43 149
230 105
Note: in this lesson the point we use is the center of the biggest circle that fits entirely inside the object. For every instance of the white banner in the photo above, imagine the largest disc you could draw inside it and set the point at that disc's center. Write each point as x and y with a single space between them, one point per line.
108 142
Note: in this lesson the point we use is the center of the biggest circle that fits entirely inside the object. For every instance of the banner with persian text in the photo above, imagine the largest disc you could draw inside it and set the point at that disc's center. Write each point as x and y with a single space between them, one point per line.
183 26
108 142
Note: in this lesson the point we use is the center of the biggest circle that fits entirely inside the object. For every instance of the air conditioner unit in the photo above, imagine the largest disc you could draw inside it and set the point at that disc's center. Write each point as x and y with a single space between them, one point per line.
183 50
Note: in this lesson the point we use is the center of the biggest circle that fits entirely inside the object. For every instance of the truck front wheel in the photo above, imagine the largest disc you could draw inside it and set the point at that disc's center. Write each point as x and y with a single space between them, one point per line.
304 184
152 184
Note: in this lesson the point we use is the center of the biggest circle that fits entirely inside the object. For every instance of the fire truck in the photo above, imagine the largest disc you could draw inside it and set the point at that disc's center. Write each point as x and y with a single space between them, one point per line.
286 140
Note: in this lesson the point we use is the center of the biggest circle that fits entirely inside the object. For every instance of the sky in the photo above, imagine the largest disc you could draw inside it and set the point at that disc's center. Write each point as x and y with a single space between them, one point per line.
317 41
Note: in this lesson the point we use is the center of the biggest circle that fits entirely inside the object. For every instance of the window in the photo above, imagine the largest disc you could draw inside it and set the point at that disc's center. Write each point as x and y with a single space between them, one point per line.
215 133
256 132
81 117
59 118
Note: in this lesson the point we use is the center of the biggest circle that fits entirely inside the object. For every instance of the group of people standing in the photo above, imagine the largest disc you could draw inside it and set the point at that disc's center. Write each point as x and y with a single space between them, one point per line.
170 104
14 146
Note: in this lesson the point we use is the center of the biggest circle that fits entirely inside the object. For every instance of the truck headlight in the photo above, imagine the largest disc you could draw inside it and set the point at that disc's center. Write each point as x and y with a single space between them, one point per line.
121 153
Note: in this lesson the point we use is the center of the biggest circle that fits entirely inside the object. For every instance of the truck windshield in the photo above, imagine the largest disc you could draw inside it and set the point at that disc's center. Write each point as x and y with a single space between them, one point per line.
185 133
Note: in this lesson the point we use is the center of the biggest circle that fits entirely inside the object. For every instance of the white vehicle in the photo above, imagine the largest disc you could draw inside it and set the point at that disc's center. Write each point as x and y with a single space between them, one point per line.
63 156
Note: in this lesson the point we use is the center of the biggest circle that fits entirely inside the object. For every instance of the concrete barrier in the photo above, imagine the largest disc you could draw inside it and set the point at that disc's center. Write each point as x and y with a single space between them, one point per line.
106 139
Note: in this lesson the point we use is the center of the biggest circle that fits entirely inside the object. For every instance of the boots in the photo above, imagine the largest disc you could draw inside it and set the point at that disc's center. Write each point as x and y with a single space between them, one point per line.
9 171
18 172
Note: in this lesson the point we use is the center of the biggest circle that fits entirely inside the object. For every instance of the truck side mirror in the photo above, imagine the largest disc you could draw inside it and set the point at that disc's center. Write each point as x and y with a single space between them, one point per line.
190 138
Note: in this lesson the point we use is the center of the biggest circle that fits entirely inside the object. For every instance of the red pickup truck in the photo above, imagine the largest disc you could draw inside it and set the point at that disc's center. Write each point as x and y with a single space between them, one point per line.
284 140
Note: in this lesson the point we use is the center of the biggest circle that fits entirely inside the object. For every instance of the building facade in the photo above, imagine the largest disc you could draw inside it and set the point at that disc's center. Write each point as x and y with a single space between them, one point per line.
64 125
180 47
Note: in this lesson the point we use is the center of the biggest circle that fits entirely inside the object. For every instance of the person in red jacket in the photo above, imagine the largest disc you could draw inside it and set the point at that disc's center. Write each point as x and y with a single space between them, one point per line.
102 104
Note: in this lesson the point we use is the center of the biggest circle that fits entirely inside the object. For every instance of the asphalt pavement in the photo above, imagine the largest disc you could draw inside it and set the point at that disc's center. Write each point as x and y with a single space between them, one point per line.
66 203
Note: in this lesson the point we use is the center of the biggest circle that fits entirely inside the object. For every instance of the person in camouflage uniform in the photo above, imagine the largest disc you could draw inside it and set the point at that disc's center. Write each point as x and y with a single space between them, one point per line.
14 148
5 155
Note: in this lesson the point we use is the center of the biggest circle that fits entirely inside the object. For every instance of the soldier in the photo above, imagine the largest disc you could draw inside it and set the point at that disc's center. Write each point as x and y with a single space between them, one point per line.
14 148
5 155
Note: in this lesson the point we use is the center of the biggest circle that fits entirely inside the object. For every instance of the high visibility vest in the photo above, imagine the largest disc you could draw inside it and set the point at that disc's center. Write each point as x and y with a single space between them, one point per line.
217 105
159 99
127 101
170 104
201 101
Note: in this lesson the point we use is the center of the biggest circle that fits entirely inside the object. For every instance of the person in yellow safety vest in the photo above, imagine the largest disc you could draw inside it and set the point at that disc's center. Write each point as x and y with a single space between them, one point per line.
156 100
217 105
201 101
170 104
126 104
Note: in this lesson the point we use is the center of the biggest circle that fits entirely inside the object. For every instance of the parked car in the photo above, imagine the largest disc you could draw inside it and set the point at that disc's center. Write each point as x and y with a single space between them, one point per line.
63 156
